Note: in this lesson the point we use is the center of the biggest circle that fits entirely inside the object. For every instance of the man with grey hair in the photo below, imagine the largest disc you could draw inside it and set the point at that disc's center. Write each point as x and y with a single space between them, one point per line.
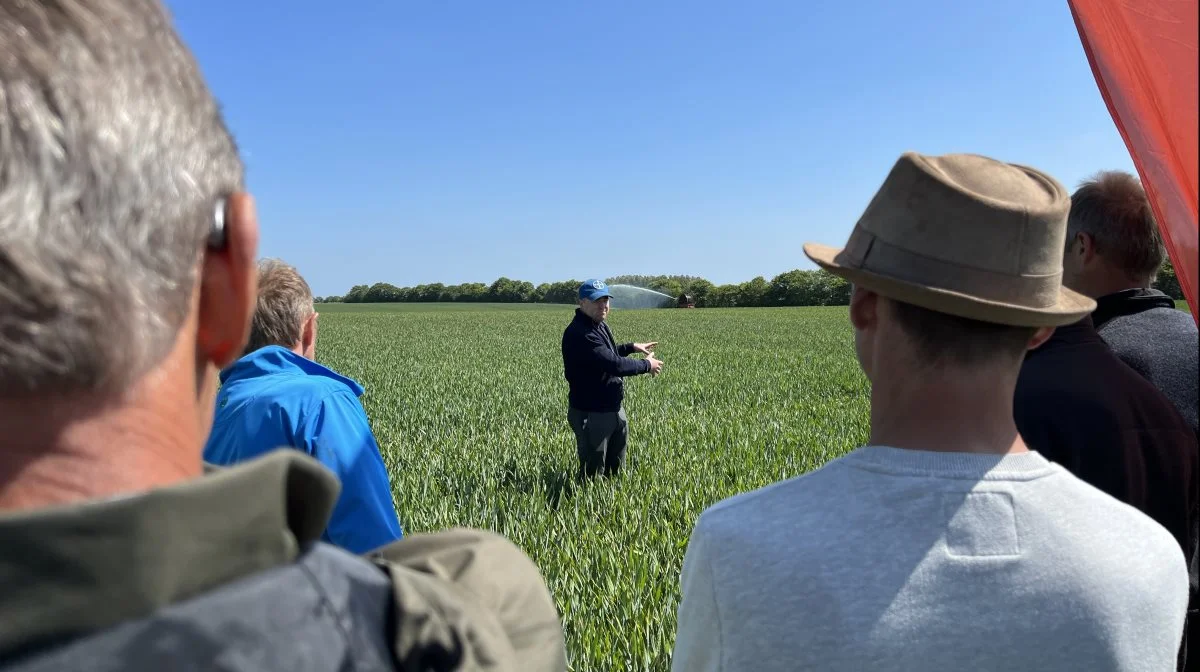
1113 253
1117 435
278 395
127 280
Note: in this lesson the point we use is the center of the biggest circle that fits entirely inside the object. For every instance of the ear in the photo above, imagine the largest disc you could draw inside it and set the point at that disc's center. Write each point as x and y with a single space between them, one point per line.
864 308
308 335
1086 247
1040 337
229 286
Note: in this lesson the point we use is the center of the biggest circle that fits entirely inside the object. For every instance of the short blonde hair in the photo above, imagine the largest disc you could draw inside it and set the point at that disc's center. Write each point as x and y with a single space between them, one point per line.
284 303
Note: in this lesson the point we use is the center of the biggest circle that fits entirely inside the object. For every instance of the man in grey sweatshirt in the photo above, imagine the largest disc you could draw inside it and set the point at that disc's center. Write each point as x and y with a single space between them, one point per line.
945 543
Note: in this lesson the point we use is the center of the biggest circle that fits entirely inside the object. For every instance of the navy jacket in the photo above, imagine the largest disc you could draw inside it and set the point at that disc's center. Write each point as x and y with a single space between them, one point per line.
594 365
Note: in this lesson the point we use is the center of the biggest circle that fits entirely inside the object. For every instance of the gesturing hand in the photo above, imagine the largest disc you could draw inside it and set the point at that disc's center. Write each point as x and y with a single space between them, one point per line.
644 348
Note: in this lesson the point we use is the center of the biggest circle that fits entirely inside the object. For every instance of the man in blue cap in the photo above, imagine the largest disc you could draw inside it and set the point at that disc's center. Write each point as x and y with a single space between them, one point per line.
595 368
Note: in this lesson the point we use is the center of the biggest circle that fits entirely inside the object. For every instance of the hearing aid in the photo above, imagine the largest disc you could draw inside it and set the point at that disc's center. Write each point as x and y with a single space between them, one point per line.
216 235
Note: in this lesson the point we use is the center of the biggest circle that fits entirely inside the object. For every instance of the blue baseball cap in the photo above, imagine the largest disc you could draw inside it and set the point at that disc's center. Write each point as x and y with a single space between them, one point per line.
593 289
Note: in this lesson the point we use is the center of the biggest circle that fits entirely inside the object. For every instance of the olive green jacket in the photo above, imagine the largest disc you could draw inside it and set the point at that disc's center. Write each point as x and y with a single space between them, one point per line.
226 572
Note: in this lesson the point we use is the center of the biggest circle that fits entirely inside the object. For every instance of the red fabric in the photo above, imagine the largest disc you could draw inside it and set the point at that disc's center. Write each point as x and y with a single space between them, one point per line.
1143 55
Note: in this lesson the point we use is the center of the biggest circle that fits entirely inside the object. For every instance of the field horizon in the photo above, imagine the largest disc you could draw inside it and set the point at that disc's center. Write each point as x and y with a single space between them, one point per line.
1181 304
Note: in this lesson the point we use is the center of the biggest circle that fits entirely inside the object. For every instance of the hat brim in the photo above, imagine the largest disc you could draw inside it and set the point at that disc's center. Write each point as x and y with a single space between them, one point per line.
1070 307
598 295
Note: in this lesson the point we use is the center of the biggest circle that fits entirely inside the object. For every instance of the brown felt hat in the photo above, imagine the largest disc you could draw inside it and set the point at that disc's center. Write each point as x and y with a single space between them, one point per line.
966 235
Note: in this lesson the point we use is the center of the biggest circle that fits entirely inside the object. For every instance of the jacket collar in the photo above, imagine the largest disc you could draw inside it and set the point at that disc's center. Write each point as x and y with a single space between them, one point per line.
1082 332
586 320
274 359
70 570
1129 302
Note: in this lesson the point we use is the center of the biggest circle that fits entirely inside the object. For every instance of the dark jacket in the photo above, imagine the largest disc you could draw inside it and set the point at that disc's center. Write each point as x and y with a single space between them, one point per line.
1079 405
226 572
1145 329
594 365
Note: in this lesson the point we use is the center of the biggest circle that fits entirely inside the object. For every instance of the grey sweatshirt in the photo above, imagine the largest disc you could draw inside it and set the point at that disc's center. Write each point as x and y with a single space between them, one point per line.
1145 329
909 560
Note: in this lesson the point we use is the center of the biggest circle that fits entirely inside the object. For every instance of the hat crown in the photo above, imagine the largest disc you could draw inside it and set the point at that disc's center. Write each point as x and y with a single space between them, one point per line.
966 234
971 211
969 224
593 289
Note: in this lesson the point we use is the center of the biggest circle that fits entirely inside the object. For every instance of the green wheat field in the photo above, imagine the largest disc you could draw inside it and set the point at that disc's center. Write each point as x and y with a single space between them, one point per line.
468 403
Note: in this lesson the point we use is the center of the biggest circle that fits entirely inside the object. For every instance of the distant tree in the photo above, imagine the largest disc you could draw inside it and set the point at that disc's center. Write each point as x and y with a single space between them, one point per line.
839 289
382 292
451 294
669 286
1167 282
700 289
723 296
753 293
475 292
788 289
432 293
357 294
501 290
561 292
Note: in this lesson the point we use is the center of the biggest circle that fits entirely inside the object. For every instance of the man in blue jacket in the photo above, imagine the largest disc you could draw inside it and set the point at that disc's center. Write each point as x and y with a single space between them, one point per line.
276 395
595 368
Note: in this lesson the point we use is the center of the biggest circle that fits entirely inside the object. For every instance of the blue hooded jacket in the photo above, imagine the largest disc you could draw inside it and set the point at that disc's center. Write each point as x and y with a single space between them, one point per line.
273 398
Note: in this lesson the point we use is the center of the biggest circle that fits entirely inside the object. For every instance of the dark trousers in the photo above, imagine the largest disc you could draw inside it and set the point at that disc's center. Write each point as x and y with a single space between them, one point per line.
600 440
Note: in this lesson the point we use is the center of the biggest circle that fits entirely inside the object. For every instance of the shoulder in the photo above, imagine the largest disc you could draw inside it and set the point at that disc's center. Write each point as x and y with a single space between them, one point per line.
792 502
1128 538
483 576
1041 373
1180 320
287 395
1075 379
338 404
304 401
315 392
1133 331
1098 548
574 328
579 331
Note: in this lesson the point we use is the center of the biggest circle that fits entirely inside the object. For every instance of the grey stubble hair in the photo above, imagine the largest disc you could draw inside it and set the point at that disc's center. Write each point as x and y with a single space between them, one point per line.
113 154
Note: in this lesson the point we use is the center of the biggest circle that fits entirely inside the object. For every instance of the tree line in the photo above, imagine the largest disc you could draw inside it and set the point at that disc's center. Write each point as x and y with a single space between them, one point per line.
792 288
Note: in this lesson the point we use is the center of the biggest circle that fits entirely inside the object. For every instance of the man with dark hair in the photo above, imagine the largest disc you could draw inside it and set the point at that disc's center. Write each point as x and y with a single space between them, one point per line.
945 543
277 395
1113 253
127 280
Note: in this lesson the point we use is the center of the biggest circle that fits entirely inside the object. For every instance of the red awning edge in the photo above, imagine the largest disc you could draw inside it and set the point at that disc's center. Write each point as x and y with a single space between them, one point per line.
1144 58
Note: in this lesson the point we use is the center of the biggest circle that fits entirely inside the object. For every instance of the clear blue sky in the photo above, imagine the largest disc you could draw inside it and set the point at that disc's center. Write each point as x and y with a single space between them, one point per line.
416 142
